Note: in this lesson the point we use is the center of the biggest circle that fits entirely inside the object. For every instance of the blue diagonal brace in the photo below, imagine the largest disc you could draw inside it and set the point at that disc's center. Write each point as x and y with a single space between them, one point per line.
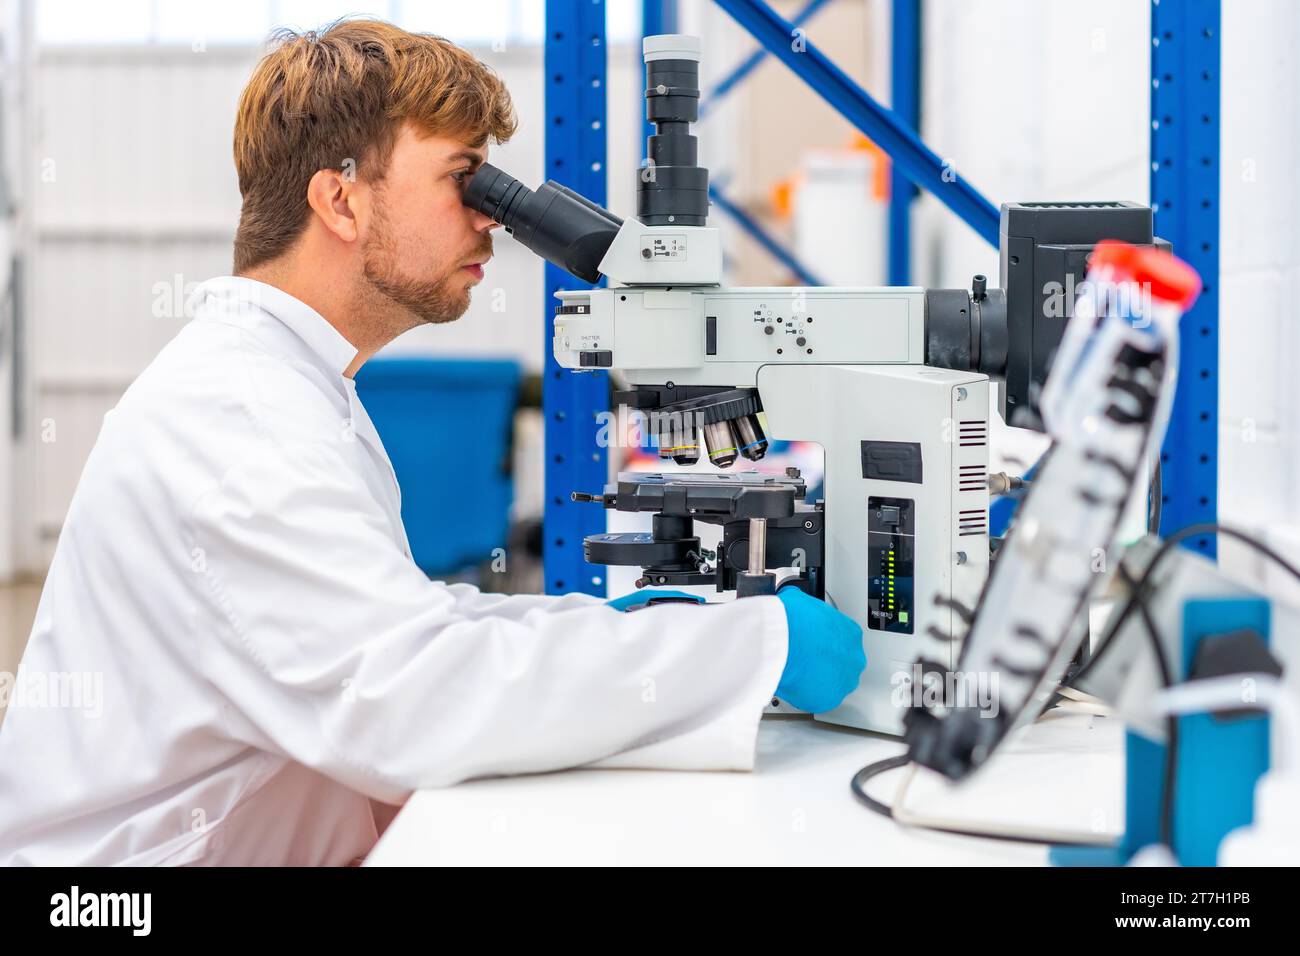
910 155
736 76
762 237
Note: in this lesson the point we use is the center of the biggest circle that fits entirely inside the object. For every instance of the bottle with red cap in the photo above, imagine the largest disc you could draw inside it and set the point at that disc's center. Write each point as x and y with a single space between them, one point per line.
1133 297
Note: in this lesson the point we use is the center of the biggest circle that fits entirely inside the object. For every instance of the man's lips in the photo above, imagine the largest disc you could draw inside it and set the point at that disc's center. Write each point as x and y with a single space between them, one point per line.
475 269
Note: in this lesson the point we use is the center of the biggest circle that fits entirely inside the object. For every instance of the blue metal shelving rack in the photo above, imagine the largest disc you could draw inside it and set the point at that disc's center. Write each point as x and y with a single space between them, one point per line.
575 155
1184 189
1185 85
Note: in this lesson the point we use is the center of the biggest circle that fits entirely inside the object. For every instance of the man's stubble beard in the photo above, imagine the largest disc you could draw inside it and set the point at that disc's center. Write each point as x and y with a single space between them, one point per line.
422 300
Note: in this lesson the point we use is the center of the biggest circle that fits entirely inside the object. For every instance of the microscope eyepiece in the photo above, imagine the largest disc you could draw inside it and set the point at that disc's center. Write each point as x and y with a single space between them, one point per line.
494 193
554 222
672 189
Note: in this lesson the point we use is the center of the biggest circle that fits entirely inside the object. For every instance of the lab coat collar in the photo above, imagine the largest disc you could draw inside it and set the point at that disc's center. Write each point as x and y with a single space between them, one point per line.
325 341
234 297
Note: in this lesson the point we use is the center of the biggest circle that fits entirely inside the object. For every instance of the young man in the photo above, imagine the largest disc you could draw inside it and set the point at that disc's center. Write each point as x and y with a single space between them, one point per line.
234 567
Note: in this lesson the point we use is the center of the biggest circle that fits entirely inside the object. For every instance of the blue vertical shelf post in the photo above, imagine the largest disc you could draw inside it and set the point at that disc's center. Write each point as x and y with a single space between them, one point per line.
575 63
657 17
1185 85
905 100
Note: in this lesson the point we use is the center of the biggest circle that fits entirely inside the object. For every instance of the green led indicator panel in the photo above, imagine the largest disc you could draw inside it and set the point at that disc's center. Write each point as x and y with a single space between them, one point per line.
891 564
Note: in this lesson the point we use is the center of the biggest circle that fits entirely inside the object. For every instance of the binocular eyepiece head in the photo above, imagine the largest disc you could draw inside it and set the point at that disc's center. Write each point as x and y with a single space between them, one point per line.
574 233
554 222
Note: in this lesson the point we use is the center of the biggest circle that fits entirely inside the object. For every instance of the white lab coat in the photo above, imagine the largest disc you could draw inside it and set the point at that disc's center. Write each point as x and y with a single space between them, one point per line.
234 567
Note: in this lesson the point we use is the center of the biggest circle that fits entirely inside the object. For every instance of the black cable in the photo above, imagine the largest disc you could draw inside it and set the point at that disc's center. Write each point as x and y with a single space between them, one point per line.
859 787
1157 649
859 783
1166 547
1155 499
1171 722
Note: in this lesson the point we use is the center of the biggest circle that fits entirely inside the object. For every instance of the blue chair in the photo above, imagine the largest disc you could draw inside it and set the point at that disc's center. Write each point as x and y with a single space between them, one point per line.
447 425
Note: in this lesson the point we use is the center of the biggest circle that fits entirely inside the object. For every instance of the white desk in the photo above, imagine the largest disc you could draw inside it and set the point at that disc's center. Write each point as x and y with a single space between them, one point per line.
1065 772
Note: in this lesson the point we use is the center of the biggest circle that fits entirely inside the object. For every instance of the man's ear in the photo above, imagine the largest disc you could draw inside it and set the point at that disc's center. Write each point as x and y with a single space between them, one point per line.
331 196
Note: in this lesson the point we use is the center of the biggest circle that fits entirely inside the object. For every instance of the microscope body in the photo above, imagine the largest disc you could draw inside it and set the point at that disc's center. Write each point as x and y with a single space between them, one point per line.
905 510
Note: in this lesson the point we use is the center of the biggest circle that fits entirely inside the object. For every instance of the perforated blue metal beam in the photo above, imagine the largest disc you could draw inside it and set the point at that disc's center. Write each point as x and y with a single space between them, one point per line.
575 155
911 157
1185 86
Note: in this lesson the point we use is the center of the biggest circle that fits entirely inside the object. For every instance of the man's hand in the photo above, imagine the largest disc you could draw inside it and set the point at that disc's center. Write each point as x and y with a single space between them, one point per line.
825 657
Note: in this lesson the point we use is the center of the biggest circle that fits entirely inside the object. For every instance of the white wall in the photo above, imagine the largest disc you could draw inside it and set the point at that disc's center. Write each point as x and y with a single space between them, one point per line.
1031 100
1259 253
13 30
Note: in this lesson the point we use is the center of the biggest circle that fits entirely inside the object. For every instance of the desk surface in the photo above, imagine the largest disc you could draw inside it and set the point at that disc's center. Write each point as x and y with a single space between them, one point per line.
1064 772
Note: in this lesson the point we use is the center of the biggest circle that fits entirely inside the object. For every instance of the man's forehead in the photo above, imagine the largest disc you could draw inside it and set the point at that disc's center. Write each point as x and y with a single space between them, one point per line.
446 149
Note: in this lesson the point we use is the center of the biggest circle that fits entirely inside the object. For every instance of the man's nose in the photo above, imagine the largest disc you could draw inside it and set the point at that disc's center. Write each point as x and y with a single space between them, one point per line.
483 223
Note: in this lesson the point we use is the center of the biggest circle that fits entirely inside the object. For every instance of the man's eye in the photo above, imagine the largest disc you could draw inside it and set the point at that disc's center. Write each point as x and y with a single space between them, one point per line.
461 177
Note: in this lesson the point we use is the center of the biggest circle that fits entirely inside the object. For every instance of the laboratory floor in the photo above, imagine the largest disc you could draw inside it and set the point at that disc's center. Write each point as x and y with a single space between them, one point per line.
17 609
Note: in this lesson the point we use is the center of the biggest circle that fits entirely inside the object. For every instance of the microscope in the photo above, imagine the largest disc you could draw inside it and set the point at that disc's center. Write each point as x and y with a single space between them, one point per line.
893 383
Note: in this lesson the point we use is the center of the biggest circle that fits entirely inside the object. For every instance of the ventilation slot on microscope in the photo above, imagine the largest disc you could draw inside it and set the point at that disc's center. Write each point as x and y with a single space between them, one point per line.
972 478
972 434
972 521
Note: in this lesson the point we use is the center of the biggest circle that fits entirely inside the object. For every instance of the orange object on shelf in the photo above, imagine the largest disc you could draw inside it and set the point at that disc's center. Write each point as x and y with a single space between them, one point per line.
880 180
782 196
782 192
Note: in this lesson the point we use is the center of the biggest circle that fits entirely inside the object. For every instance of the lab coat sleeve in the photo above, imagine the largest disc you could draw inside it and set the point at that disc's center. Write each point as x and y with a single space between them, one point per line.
473 603
329 646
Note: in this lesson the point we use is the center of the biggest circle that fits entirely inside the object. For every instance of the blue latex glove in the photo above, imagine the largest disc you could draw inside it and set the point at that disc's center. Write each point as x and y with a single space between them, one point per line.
825 657
638 598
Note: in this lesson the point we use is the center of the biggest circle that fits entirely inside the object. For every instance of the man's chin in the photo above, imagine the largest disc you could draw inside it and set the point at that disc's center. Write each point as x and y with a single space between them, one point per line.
424 302
443 311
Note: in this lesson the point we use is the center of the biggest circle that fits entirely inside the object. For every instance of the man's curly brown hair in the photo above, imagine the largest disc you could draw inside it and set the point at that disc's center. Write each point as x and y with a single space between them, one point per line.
335 99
